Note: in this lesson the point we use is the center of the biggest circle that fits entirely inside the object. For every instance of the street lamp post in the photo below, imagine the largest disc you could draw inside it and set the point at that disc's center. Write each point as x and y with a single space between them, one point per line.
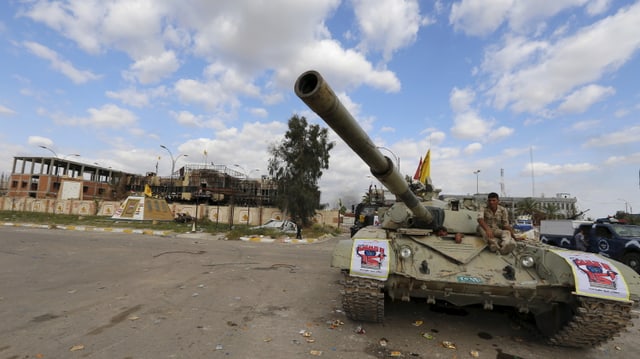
52 151
626 205
477 173
394 156
51 163
173 166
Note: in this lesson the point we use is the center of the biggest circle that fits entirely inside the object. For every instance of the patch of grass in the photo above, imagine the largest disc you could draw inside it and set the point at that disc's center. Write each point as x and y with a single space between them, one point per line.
203 225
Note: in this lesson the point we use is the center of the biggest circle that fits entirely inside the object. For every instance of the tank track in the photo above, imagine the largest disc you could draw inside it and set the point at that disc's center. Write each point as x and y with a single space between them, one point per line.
363 299
594 322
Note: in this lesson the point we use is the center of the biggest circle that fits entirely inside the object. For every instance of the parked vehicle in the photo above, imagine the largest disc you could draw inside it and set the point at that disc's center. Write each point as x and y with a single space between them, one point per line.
277 224
605 237
366 212
561 232
183 218
523 224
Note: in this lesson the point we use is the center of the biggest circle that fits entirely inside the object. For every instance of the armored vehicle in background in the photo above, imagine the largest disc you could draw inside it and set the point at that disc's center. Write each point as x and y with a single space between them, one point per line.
575 299
366 212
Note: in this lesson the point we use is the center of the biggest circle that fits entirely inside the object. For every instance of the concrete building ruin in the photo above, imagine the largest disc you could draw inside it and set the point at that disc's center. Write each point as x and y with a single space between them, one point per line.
59 178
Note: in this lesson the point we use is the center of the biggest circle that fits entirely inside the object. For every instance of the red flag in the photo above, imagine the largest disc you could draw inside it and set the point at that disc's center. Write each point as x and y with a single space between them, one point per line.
418 170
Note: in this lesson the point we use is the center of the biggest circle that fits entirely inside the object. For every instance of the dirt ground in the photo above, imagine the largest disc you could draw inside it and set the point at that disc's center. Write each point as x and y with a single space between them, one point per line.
66 294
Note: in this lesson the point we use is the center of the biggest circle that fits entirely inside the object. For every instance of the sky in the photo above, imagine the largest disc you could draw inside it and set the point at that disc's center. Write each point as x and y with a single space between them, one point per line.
541 97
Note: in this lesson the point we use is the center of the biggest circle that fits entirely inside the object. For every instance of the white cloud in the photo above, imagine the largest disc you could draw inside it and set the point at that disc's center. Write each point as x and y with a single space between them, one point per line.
585 125
500 133
138 98
130 96
461 99
186 118
77 20
542 168
39 141
64 67
624 160
388 26
596 7
468 123
5 111
621 112
259 112
108 116
571 62
624 136
230 35
212 95
581 99
479 17
347 68
472 148
514 52
151 69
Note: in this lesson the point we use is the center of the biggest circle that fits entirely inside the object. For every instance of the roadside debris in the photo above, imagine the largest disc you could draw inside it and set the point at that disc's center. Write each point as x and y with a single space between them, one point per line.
76 347
427 336
336 323
448 345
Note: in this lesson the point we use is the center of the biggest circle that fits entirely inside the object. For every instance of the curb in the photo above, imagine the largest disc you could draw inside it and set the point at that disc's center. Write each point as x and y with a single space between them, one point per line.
256 239
91 229
262 239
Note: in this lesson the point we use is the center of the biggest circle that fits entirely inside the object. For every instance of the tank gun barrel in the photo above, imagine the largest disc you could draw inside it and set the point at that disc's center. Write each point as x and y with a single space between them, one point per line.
314 91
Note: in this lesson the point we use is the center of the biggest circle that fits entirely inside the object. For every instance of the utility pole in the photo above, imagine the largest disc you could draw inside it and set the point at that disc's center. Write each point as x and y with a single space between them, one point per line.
477 173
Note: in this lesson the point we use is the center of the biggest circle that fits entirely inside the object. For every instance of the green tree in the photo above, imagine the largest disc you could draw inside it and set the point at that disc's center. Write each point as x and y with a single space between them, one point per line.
551 211
527 206
296 165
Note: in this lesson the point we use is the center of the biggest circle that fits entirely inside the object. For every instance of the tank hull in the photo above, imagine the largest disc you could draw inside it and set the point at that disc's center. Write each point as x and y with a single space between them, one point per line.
547 293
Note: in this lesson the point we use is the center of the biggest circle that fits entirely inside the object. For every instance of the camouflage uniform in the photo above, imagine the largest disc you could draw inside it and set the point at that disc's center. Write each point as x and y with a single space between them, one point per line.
497 222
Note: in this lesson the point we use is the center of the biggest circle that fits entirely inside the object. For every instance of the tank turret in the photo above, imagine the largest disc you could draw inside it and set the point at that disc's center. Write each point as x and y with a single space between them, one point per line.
316 93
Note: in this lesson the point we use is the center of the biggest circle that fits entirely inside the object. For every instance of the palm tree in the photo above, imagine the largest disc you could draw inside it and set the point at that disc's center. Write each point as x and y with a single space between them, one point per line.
527 207
551 211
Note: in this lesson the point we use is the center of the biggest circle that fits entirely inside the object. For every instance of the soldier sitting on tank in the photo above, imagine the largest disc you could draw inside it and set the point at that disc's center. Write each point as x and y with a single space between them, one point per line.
442 232
494 227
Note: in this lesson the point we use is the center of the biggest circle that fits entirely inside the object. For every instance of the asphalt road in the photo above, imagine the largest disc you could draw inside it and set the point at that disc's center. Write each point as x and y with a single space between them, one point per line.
66 294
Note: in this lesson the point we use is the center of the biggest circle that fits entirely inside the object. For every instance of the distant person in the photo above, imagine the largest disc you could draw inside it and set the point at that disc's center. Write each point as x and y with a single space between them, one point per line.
298 230
494 227
581 240
443 232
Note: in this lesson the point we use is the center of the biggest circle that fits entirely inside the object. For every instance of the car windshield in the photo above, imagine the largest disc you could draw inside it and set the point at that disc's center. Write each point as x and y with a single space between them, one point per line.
626 230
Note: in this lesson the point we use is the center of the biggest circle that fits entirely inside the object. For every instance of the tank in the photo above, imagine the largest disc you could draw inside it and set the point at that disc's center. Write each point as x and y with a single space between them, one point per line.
574 299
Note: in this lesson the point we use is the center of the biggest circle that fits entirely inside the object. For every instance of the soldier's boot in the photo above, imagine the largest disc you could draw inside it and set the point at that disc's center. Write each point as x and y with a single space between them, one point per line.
493 246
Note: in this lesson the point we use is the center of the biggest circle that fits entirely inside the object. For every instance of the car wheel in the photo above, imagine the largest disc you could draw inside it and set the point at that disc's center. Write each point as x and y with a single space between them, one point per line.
632 260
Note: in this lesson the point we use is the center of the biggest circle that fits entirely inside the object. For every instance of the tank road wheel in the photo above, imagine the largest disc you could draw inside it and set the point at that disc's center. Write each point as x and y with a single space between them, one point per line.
592 321
363 299
632 260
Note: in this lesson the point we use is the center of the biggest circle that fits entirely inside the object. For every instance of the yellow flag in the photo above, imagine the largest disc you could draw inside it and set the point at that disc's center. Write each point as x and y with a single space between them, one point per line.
425 170
147 190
